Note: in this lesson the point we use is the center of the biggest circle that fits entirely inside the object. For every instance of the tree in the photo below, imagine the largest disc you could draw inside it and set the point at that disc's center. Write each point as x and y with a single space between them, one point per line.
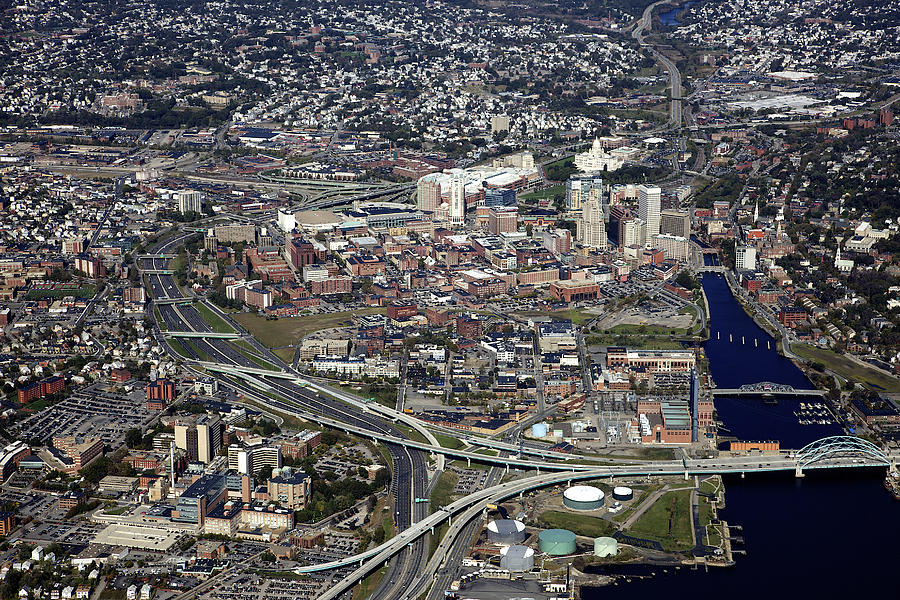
133 437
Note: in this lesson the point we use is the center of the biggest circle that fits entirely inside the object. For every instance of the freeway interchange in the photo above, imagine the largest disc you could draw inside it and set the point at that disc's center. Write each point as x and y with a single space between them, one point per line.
410 572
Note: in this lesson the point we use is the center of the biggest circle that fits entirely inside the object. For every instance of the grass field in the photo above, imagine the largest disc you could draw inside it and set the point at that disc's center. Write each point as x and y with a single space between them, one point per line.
83 291
39 404
369 584
447 441
435 539
641 496
627 328
668 521
848 369
201 353
285 354
442 494
550 192
178 347
215 322
635 342
576 523
159 319
285 332
576 315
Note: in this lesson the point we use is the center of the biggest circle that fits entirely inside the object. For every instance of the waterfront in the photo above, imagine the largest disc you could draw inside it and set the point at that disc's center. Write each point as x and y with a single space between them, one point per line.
795 530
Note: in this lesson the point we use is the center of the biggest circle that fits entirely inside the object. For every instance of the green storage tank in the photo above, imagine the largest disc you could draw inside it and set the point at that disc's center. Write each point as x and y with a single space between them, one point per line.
557 542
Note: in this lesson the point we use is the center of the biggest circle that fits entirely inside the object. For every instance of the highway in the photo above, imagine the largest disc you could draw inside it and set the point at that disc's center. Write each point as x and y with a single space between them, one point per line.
643 24
467 508
410 474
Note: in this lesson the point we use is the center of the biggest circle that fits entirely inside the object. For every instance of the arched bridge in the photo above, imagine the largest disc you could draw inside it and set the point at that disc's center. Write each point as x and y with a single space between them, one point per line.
841 447
765 387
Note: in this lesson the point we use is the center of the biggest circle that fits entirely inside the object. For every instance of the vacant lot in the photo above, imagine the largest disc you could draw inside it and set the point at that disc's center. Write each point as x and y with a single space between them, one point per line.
285 332
668 521
848 369
579 524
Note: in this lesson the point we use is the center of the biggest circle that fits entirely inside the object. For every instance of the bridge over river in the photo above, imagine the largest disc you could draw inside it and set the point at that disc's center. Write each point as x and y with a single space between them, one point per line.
826 453
765 388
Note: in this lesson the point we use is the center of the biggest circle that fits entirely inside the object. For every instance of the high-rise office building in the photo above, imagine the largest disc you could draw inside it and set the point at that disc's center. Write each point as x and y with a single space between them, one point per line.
252 458
200 438
189 201
634 232
745 258
675 247
649 209
675 222
503 219
457 214
428 193
591 227
580 189
618 216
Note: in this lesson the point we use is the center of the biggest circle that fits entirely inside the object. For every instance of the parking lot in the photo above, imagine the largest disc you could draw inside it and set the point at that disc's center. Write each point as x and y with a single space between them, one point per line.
94 411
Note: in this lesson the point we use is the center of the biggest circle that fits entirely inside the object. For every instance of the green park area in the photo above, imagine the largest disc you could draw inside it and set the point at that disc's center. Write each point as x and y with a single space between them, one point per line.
276 333
847 368
548 193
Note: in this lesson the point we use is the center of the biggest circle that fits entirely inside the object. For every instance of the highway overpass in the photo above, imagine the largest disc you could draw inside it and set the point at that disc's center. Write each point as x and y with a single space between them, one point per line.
834 452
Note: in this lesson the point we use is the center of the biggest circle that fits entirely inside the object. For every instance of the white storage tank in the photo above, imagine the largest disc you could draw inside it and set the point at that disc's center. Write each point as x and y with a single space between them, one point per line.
622 493
506 532
583 497
539 430
605 546
517 559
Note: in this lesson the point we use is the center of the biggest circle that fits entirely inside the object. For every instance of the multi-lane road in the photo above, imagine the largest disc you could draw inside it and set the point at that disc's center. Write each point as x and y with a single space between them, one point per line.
410 474
643 24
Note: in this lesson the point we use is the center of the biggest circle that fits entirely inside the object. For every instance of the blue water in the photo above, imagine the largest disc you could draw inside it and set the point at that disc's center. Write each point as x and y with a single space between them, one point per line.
669 18
828 535
737 346
740 352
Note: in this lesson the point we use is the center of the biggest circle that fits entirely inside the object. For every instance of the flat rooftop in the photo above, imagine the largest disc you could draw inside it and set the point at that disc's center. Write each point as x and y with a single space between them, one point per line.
134 536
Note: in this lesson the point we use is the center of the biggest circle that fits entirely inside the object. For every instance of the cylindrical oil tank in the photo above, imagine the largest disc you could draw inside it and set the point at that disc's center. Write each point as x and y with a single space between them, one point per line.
557 542
605 546
583 497
622 493
517 559
506 532
539 430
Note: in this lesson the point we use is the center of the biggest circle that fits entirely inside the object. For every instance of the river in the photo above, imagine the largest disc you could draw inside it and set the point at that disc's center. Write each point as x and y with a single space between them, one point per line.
669 18
829 533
